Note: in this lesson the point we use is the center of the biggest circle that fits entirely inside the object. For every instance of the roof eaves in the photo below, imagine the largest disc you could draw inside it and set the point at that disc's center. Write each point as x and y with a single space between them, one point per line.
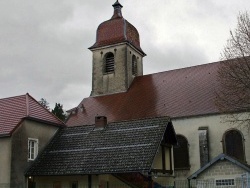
97 46
44 121
143 171
4 135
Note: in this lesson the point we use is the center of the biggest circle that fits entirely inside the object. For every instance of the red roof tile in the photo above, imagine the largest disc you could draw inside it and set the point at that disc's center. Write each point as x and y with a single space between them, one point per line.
14 109
177 93
117 30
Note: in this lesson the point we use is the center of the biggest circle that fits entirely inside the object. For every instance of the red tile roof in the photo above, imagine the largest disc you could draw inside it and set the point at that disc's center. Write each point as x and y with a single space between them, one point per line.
177 93
14 109
117 30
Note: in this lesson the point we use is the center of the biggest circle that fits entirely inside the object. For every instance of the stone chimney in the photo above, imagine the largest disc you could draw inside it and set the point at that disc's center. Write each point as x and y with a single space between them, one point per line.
100 122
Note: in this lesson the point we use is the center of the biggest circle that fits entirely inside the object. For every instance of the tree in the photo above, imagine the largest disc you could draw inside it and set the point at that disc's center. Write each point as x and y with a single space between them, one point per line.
59 112
234 74
44 103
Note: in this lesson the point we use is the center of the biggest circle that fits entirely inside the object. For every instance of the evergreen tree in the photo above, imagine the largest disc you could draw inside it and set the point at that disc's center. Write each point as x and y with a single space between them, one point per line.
59 112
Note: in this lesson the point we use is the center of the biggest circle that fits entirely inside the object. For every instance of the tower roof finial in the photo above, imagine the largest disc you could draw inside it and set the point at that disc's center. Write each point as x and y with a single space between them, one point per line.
117 10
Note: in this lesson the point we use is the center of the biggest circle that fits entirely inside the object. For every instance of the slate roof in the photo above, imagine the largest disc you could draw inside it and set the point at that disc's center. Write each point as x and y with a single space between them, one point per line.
177 93
220 157
127 146
14 109
117 30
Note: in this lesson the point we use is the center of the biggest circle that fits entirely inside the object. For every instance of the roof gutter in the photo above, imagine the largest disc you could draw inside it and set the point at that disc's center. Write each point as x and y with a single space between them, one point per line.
44 121
5 135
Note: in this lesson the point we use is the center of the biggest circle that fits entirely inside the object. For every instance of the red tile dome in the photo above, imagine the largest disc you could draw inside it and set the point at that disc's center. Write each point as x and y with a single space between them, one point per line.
117 30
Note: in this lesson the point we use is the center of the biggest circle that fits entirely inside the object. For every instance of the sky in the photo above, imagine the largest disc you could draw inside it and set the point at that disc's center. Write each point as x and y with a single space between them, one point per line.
44 43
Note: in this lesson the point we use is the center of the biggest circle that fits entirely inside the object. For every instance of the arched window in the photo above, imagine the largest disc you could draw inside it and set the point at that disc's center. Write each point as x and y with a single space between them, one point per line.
181 155
233 144
109 63
134 65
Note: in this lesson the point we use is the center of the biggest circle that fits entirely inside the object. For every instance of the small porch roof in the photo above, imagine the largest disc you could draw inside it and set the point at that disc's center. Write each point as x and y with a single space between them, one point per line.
220 157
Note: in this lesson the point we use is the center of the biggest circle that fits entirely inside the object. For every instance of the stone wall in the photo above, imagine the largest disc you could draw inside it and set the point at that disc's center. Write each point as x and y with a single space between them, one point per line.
222 169
121 78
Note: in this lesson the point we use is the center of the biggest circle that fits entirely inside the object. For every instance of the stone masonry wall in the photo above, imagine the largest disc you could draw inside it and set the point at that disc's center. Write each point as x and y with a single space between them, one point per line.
121 78
222 169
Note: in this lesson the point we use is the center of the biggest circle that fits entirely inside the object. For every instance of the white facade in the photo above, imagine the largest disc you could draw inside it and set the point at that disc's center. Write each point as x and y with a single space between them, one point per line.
189 127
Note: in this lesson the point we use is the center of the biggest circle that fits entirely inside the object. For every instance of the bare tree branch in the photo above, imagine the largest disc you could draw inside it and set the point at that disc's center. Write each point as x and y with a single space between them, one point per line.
234 75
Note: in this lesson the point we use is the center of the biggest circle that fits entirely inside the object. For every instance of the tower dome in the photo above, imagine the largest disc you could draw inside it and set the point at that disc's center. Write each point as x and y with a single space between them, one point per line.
117 30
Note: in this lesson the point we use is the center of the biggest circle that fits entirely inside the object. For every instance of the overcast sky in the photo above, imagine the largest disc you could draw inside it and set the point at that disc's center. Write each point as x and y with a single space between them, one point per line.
44 43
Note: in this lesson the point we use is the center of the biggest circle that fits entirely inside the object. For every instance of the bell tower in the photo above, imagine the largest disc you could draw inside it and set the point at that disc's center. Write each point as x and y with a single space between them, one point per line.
117 55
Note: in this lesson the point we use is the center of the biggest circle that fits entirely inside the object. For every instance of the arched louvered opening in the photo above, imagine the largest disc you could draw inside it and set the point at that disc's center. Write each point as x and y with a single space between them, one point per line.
134 65
233 144
109 63
181 154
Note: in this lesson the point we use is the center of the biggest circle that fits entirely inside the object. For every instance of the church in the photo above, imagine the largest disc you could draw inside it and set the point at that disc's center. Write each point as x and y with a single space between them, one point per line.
156 130
121 92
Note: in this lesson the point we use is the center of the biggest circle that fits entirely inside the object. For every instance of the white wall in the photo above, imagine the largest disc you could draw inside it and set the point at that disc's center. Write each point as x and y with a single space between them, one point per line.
217 126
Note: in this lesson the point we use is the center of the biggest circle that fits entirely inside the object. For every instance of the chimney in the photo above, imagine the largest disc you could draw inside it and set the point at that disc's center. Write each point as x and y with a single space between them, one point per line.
100 122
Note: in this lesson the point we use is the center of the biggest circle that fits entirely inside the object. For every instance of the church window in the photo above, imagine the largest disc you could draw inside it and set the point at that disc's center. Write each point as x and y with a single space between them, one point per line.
181 154
134 65
109 63
233 144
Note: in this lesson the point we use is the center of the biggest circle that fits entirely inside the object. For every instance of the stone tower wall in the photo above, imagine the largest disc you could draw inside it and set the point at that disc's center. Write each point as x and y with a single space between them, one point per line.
120 80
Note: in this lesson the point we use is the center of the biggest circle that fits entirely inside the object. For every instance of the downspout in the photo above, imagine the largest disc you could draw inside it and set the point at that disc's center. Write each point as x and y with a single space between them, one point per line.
189 186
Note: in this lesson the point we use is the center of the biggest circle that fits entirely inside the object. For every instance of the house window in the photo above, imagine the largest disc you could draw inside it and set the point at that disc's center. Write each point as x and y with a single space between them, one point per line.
233 144
224 182
134 65
109 63
33 148
181 155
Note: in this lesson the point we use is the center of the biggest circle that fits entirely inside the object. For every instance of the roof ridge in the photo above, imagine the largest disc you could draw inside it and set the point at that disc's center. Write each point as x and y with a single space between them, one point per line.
12 97
182 68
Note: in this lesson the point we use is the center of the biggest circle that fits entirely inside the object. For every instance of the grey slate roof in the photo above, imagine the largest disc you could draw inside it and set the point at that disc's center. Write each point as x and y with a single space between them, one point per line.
215 160
127 146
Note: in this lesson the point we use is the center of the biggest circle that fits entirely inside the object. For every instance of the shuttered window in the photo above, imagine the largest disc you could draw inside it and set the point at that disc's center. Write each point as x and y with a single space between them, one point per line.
233 144
109 63
134 65
181 155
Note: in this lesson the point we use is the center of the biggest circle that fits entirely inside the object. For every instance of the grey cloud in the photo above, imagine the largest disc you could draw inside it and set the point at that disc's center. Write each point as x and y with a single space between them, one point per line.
44 44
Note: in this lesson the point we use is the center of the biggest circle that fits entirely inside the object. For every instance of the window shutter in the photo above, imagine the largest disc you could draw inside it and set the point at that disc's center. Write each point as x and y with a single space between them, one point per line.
233 145
109 63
